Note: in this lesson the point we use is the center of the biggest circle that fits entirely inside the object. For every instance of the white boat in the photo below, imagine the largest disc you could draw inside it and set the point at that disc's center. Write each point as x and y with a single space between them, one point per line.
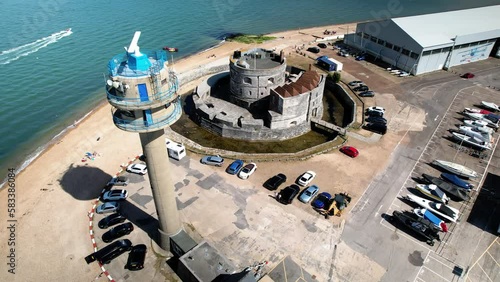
474 116
438 209
491 106
480 125
475 111
473 141
476 132
433 192
455 168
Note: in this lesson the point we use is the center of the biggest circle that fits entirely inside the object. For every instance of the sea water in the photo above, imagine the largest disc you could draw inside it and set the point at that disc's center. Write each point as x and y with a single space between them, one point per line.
50 77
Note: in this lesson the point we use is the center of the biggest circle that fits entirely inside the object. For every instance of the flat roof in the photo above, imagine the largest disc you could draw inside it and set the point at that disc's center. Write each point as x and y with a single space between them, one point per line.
441 28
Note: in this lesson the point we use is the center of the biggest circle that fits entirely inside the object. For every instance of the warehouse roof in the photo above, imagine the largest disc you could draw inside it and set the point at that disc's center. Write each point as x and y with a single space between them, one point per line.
441 28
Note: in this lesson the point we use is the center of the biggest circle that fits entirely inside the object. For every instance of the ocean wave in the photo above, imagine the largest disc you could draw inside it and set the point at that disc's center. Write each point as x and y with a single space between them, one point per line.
13 54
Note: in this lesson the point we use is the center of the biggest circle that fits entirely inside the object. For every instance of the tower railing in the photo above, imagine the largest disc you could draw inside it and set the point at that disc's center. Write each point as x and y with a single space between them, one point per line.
140 125
121 101
118 66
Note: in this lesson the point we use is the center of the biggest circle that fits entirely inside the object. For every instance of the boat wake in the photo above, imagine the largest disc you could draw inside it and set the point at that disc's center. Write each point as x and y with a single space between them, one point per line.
15 53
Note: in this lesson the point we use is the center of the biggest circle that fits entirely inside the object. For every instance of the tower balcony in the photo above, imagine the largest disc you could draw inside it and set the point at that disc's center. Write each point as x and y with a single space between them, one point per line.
123 100
142 121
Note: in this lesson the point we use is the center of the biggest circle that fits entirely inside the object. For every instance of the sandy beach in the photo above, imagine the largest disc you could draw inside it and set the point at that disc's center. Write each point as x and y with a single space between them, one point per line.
54 194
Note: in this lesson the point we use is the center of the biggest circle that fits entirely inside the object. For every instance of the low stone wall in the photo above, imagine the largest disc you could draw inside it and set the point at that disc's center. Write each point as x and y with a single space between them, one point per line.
347 102
201 71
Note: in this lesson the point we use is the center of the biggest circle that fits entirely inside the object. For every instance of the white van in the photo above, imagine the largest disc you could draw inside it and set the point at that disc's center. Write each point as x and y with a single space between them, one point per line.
175 150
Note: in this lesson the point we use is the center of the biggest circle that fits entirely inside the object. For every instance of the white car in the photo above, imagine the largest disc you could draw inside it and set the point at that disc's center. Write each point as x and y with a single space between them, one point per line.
114 195
306 178
137 168
118 181
107 207
375 109
247 170
355 83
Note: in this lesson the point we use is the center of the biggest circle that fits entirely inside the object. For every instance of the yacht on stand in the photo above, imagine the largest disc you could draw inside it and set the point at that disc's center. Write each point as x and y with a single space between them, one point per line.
439 209
456 193
455 168
473 141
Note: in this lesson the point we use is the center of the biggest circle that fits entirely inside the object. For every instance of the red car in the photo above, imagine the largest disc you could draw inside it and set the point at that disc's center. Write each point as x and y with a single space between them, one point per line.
468 75
350 151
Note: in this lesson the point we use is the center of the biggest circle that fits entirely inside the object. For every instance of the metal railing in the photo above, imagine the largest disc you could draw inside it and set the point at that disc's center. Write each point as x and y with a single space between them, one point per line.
118 66
141 125
136 101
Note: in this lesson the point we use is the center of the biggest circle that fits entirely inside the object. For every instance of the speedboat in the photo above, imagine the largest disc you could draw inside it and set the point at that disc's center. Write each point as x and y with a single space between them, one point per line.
478 125
452 178
477 111
473 141
474 116
455 168
432 192
475 132
423 227
455 192
439 223
439 209
490 105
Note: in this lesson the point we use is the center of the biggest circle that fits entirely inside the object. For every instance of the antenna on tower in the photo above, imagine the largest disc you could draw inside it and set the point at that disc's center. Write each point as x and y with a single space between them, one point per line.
134 48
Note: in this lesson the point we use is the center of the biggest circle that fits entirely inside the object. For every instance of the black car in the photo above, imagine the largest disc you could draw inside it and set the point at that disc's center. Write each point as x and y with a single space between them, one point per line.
274 182
322 45
287 195
374 119
111 220
377 128
111 251
136 257
368 93
313 50
361 88
375 114
117 232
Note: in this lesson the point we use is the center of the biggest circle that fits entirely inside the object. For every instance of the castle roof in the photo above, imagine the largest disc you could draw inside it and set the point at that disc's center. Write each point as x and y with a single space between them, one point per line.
305 83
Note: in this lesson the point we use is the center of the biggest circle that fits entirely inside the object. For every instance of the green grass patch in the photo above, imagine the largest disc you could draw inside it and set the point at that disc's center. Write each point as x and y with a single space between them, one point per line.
250 39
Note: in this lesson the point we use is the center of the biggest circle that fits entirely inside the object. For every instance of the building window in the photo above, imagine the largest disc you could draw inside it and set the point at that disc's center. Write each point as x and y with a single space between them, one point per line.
447 49
436 51
397 48
247 80
366 36
414 55
405 52
483 42
388 45
270 80
359 34
373 38
426 53
381 42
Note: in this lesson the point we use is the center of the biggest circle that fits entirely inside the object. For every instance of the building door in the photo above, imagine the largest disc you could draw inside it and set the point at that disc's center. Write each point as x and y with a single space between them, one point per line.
143 92
148 118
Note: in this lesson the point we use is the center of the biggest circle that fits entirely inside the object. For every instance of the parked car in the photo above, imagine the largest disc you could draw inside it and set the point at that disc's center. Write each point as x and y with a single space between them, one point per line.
313 50
287 195
118 181
109 252
274 182
375 114
137 168
360 58
111 220
234 167
213 160
108 207
376 119
375 109
117 232
350 151
368 93
361 88
114 195
355 83
377 128
247 170
322 45
322 200
306 178
136 257
468 75
308 193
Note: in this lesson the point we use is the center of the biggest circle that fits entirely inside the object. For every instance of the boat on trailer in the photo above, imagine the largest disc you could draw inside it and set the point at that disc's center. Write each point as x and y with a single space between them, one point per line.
455 192
454 179
472 141
439 223
455 168
423 227
491 106
433 192
439 209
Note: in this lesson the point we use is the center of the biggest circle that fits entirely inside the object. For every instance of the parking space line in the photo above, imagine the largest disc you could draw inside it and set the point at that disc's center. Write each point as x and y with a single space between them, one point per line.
487 276
432 257
402 233
420 269
420 279
493 258
437 274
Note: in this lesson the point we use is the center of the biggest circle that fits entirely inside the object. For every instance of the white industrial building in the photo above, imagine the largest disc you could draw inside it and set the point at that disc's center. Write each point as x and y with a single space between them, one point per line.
425 43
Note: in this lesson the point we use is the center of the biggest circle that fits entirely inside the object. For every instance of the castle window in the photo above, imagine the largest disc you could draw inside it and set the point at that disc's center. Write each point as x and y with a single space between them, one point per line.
270 80
247 80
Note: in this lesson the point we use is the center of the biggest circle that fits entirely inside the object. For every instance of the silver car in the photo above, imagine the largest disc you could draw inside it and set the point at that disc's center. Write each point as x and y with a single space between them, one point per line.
108 207
309 193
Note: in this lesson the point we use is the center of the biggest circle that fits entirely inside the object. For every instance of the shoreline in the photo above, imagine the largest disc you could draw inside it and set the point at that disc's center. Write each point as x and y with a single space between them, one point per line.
38 152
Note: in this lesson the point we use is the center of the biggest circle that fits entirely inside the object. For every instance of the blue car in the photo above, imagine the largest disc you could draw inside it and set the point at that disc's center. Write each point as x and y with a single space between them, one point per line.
322 200
234 167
